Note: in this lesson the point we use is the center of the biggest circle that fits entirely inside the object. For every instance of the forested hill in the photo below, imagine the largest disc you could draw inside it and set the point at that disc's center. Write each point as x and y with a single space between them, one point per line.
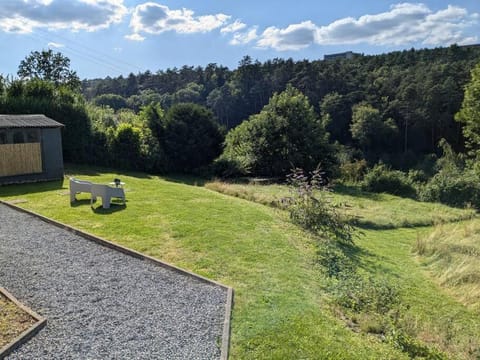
420 90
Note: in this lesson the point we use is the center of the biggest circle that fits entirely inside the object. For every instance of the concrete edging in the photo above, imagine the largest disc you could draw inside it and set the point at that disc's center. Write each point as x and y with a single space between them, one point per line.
225 346
27 334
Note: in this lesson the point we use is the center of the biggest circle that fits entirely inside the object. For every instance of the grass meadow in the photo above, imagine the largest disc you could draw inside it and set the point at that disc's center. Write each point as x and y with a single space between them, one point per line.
231 233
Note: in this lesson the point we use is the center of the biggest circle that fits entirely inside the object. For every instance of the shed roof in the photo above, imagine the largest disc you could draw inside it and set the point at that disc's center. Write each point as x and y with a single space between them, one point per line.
27 121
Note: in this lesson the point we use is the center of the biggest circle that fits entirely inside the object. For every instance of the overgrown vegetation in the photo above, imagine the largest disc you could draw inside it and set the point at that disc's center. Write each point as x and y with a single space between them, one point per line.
378 304
13 321
312 208
383 179
451 253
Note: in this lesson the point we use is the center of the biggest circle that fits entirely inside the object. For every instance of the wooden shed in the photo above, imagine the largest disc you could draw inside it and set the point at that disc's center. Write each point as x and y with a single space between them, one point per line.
30 149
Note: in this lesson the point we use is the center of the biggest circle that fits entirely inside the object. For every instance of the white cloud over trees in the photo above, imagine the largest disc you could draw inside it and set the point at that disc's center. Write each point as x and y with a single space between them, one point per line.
154 18
403 24
89 15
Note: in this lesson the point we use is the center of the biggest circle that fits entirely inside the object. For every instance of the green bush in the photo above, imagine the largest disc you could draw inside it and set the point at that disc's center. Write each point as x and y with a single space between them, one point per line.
354 171
453 188
226 168
361 294
383 179
191 138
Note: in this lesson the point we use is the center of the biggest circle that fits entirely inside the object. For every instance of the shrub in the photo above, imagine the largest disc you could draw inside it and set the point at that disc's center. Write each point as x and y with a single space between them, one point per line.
361 294
192 138
226 168
311 208
453 188
353 172
124 146
383 179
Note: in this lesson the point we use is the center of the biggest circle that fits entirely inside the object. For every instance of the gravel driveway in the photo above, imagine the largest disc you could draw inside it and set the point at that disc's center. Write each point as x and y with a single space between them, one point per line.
103 304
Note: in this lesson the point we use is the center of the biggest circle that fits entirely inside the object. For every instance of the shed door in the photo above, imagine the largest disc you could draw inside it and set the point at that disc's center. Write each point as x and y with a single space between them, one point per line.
20 159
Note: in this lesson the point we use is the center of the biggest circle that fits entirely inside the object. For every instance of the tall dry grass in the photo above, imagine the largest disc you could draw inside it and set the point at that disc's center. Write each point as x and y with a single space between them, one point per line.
451 253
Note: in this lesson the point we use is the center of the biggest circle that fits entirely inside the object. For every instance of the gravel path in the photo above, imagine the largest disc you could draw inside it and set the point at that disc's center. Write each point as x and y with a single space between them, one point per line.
102 304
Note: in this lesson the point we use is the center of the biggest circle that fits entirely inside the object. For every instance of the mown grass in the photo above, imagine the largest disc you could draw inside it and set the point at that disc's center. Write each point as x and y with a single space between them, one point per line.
369 210
281 308
451 253
13 321
391 226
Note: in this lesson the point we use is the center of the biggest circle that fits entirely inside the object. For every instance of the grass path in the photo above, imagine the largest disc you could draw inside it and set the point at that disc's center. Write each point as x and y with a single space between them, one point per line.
280 307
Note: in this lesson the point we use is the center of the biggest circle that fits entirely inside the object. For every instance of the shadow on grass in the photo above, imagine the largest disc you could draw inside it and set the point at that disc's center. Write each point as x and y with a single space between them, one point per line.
365 259
81 202
370 225
97 208
30 188
185 179
112 209
86 170
355 191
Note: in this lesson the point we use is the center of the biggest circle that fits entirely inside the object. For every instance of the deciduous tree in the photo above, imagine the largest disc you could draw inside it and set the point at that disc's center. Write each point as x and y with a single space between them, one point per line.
50 66
285 134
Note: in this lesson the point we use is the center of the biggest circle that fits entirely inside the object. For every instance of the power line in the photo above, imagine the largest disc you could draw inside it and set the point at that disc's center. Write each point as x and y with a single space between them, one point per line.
86 53
95 52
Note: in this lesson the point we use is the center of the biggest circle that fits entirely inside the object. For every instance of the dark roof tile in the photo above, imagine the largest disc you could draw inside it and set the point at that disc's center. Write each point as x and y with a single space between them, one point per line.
27 121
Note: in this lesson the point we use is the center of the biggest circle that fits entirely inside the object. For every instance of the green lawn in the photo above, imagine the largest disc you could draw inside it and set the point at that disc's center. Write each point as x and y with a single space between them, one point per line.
281 310
375 211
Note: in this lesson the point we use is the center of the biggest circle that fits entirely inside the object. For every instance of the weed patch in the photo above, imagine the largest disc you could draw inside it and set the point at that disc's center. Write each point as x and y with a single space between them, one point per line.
370 304
311 208
13 321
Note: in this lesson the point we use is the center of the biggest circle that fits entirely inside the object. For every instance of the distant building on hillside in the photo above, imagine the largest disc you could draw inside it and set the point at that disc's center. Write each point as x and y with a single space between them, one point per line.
30 149
343 55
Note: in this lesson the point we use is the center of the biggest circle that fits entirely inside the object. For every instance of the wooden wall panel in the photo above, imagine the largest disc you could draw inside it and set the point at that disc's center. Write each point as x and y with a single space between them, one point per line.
20 159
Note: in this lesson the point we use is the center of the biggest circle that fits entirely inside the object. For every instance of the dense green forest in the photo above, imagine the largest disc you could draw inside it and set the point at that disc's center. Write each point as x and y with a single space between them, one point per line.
420 90
395 116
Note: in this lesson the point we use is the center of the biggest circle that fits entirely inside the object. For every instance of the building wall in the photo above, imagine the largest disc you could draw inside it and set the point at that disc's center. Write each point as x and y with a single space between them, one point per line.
51 160
52 153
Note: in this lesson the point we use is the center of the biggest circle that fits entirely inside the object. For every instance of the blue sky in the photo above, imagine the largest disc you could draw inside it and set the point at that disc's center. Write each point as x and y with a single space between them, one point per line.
112 37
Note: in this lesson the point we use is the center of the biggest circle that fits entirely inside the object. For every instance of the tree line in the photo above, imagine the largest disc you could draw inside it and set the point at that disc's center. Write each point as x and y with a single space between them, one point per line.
258 119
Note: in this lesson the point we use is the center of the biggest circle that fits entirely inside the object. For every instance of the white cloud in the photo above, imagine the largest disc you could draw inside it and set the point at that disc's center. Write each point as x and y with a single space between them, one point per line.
134 37
90 15
404 23
154 18
242 38
294 37
55 45
233 27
